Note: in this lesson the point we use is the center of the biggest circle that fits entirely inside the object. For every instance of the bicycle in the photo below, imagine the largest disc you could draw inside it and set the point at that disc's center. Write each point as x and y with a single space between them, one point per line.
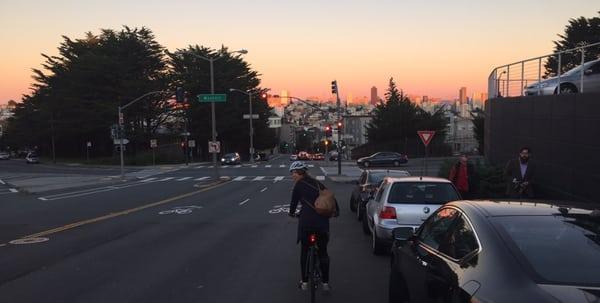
313 266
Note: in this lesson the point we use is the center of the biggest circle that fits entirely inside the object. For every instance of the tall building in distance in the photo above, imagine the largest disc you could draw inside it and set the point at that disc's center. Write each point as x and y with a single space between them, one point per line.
374 97
462 95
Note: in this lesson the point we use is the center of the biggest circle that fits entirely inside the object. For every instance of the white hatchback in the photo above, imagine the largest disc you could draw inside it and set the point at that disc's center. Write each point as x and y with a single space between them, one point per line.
405 202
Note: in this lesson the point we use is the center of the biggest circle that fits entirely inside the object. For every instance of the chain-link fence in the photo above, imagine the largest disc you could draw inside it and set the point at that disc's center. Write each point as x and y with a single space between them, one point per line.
550 74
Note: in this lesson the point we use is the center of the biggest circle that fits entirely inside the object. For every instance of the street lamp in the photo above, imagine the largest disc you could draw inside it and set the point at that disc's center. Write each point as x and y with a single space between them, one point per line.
211 60
249 93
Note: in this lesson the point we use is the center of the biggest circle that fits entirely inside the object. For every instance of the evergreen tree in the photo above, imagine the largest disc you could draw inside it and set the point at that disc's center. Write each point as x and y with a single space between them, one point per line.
578 32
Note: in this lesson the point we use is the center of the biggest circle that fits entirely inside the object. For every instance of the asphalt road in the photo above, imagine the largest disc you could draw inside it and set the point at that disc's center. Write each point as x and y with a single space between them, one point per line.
179 236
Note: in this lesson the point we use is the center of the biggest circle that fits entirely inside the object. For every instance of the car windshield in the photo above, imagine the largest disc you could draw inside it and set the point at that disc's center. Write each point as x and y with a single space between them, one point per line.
422 193
377 177
561 249
229 156
578 68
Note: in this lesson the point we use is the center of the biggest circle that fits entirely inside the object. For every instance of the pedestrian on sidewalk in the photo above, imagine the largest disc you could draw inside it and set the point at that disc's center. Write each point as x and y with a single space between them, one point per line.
461 176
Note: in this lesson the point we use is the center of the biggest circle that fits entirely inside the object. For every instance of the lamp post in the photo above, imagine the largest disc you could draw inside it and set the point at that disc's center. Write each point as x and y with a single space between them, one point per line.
498 85
249 93
211 60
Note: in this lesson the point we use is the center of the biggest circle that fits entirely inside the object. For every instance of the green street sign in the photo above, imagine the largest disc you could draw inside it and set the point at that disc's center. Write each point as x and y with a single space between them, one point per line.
207 98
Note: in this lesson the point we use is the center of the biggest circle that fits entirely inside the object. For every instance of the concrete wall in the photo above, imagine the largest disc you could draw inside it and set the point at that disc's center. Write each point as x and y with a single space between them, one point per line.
563 133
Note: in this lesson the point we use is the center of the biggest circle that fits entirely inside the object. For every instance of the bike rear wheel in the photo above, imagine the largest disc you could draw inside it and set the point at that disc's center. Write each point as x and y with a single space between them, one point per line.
312 275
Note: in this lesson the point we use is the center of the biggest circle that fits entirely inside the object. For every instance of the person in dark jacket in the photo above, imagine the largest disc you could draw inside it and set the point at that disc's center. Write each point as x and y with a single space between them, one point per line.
306 191
519 174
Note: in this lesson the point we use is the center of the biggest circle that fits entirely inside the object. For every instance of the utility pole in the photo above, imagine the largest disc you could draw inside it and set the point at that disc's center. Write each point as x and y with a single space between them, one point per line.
334 90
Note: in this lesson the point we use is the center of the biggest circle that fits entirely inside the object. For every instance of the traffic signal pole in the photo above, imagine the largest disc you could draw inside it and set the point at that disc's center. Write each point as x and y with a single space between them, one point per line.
334 89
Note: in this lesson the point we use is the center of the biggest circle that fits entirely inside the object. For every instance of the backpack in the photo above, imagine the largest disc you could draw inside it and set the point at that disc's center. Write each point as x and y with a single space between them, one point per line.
325 204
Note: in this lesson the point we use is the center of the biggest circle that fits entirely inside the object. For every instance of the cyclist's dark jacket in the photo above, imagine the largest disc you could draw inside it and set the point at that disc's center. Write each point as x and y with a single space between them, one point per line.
305 191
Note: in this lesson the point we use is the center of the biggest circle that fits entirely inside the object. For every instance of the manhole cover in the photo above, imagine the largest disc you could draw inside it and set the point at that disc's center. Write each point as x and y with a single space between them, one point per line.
28 241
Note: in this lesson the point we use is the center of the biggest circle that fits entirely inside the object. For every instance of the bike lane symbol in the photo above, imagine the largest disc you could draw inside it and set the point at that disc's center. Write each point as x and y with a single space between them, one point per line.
282 209
180 210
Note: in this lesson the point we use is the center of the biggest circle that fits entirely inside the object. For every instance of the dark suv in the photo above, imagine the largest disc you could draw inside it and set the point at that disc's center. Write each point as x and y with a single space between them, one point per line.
382 159
368 183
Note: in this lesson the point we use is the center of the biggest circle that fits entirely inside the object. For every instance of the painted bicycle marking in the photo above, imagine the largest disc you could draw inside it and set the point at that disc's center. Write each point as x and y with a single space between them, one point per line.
180 210
282 209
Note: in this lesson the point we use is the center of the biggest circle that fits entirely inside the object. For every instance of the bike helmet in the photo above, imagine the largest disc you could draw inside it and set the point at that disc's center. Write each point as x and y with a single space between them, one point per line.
298 165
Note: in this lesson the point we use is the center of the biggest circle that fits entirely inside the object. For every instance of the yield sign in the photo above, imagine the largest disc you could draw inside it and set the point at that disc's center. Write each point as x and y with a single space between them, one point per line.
426 136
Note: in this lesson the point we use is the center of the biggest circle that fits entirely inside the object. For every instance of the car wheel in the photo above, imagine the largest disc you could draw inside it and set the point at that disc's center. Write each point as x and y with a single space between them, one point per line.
396 163
352 204
567 88
365 224
398 291
378 247
367 164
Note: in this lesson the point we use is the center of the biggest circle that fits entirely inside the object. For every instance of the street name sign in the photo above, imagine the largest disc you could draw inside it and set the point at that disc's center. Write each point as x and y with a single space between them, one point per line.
247 116
426 136
192 143
117 141
207 98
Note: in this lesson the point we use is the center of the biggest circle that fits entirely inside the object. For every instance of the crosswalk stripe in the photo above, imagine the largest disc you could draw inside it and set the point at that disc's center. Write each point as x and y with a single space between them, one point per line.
279 178
258 178
183 179
320 178
240 178
238 166
267 166
148 180
254 166
201 178
281 165
166 179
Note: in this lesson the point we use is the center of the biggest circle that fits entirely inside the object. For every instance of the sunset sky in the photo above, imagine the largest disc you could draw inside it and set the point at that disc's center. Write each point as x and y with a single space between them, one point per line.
430 47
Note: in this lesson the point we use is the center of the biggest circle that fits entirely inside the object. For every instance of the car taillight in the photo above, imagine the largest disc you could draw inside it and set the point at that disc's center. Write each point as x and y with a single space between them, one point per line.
312 238
387 212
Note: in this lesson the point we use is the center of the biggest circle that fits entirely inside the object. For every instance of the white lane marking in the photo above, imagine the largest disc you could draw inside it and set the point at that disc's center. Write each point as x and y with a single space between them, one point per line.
238 166
183 179
240 178
43 199
279 178
148 180
201 178
3 244
199 167
254 166
244 202
320 178
267 166
258 178
281 165
13 190
311 165
263 190
166 179
324 171
212 166
2 182
28 241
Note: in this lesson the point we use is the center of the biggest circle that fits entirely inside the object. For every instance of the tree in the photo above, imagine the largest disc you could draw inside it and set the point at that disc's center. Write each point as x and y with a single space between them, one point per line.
395 123
230 71
578 32
76 94
478 128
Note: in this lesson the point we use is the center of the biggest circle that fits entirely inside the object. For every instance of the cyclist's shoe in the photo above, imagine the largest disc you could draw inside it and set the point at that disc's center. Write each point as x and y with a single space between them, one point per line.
303 285
326 287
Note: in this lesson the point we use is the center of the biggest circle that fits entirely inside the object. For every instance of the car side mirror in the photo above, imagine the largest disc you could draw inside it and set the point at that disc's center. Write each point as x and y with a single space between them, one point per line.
588 72
403 234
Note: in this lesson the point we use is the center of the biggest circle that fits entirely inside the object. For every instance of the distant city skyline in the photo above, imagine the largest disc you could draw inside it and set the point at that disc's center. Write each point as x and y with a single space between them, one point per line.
458 45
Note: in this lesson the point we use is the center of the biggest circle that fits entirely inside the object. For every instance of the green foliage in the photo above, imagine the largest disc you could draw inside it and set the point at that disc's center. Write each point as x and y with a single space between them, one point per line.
578 32
479 128
395 123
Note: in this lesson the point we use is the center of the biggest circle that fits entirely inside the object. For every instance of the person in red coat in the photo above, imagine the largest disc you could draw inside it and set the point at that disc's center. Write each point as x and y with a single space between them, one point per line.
459 175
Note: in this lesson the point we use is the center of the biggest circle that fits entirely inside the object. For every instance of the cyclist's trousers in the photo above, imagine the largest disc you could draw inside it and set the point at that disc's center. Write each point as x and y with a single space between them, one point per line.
322 240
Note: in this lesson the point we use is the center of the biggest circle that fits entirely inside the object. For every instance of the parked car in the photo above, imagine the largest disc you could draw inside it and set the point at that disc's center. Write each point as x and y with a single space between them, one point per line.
303 156
404 202
484 251
32 158
570 81
293 157
4 155
382 159
318 157
231 159
367 184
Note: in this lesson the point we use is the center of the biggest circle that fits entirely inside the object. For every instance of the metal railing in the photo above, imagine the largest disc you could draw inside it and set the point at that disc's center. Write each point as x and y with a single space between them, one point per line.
512 79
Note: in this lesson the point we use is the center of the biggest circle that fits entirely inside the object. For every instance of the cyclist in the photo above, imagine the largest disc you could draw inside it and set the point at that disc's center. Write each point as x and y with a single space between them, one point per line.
306 191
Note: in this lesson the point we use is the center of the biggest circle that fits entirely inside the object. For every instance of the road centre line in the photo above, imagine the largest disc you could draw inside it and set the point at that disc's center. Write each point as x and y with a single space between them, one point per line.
244 202
121 213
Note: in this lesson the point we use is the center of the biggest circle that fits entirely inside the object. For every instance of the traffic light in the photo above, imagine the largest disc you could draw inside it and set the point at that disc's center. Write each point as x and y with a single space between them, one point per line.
327 130
339 124
334 88
180 95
